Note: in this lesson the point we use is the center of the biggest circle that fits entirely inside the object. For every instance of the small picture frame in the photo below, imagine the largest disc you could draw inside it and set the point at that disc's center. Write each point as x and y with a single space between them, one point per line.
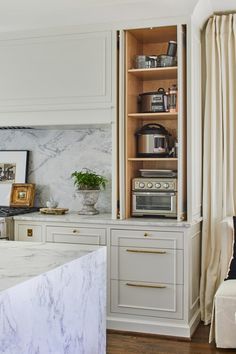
13 169
22 195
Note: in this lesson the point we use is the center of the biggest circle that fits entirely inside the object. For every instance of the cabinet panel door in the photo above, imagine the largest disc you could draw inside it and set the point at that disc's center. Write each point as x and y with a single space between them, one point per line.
143 264
56 73
28 232
147 238
195 127
76 234
150 299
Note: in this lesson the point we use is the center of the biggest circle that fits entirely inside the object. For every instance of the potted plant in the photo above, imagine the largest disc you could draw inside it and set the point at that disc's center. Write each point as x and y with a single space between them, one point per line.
89 184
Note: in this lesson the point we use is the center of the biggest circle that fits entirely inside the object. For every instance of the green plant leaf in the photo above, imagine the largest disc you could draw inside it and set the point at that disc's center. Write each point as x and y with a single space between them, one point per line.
87 179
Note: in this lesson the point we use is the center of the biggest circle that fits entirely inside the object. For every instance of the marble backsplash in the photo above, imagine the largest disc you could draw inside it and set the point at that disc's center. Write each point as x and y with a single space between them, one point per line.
55 154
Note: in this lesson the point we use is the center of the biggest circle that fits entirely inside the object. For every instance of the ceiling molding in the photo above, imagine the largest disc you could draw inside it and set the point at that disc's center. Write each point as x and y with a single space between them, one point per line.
26 15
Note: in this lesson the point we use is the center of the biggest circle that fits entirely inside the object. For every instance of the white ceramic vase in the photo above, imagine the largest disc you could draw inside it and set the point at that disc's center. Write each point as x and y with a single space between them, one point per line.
90 198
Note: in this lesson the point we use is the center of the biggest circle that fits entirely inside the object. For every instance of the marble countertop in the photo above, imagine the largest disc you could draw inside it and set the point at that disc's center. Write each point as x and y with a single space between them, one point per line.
20 261
103 219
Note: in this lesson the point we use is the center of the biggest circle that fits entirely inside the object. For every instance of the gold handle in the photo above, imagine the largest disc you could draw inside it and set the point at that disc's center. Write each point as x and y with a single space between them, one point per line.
157 286
30 232
145 251
75 231
145 234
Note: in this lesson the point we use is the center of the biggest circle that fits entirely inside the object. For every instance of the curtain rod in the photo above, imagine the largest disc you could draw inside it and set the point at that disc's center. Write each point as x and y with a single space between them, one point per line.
230 12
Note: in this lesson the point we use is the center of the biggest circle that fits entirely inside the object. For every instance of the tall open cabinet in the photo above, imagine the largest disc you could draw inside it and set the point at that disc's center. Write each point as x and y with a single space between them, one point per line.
136 301
153 41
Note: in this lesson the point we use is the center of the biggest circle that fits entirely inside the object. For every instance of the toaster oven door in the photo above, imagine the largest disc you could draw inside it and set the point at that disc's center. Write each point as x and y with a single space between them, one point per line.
154 203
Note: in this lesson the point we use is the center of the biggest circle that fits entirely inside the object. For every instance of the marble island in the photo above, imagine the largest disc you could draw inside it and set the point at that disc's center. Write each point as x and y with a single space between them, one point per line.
52 298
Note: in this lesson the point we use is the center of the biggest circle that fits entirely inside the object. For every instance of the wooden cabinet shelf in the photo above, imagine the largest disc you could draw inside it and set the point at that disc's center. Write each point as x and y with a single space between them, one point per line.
152 159
155 73
161 116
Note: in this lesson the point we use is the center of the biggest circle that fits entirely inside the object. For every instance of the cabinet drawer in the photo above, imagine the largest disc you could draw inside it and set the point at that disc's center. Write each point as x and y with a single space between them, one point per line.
76 234
147 238
29 232
149 264
147 299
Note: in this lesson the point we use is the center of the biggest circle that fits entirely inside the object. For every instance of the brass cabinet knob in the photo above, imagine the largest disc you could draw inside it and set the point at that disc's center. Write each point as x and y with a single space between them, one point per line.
145 234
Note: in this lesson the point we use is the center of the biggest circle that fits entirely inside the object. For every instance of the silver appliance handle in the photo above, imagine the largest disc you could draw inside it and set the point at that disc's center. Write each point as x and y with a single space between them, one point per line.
155 193
174 204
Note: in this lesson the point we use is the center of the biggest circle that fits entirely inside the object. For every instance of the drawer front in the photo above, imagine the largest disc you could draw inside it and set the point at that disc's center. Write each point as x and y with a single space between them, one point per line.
29 232
147 238
149 264
147 299
81 235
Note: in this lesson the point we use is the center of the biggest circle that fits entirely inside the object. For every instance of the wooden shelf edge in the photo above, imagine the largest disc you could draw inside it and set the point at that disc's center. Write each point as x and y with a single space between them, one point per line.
154 70
162 115
152 159
163 73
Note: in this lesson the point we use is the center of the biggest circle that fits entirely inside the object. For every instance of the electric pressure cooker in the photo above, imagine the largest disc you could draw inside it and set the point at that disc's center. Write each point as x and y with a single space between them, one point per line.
155 101
153 140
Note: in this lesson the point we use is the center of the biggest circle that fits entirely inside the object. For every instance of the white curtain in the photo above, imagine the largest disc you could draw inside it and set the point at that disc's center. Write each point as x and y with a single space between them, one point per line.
219 148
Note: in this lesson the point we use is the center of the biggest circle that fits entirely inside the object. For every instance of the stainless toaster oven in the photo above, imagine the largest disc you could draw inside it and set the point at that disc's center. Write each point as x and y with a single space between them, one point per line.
154 196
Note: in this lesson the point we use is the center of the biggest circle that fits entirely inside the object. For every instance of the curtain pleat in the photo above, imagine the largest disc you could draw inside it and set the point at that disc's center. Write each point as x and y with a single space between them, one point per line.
219 152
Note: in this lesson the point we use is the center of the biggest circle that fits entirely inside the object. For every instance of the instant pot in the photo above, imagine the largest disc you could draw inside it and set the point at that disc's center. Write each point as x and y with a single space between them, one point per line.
153 140
152 102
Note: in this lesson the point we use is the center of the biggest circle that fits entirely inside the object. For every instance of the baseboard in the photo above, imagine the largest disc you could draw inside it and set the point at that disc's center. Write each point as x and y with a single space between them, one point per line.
148 327
195 322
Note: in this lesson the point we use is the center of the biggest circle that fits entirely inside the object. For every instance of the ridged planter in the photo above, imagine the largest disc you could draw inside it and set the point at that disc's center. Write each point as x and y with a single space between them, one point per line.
90 198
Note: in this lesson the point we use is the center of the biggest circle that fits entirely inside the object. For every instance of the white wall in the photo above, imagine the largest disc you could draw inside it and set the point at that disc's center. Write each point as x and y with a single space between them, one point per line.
28 14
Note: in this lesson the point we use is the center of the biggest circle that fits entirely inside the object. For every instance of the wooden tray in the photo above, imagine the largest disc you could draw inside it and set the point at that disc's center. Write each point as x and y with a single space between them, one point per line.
53 211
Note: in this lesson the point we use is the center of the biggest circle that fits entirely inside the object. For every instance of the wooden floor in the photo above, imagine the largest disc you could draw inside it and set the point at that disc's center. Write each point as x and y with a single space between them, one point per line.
118 343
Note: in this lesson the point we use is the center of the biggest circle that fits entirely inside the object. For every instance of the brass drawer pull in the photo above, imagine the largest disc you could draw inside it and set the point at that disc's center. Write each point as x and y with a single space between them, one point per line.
146 251
145 234
29 232
157 286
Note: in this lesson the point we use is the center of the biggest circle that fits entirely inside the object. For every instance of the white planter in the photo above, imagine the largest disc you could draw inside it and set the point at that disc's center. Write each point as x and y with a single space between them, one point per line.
90 198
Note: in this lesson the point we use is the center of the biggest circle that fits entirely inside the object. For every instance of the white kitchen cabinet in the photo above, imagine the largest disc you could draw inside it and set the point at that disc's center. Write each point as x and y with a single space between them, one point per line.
153 267
57 78
147 299
25 231
147 238
154 279
60 232
159 292
76 234
157 265
146 280
147 273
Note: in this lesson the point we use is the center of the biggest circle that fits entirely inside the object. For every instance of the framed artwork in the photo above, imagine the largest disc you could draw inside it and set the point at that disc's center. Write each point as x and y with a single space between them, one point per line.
13 169
22 195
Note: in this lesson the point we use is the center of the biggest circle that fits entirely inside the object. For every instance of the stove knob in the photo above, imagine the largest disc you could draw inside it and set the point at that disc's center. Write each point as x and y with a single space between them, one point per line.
166 185
158 185
149 185
141 185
